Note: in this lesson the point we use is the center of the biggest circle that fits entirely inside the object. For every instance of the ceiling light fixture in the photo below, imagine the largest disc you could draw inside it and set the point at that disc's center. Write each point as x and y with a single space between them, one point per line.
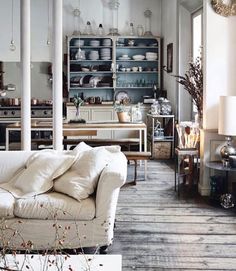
76 13
12 43
48 35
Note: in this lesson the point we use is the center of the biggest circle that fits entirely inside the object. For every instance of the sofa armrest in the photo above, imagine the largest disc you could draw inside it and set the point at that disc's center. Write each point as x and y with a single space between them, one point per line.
112 178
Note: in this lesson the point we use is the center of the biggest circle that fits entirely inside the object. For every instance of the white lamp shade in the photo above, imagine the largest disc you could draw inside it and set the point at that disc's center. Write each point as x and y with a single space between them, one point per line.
227 116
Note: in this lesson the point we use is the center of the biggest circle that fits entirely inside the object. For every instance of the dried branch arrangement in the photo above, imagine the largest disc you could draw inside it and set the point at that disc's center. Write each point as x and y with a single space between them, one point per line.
56 259
193 83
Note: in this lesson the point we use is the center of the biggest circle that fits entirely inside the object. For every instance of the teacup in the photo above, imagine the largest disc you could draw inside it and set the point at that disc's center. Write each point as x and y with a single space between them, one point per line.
134 69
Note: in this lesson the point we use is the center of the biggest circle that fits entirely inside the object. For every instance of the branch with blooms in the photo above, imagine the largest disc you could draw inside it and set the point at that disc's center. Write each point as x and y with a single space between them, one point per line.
192 81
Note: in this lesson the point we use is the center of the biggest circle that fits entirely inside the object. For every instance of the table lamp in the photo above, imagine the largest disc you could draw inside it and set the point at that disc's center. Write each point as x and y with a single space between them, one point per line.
227 126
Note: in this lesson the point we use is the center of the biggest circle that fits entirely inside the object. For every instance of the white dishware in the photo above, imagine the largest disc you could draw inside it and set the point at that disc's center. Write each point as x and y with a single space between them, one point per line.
128 69
134 69
138 57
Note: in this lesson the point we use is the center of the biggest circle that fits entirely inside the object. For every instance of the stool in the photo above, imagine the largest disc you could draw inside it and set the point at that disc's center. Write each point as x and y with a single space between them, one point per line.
137 156
180 155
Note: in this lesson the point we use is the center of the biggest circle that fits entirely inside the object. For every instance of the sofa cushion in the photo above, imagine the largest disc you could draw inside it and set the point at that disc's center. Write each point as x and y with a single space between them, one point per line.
55 206
81 180
37 178
6 204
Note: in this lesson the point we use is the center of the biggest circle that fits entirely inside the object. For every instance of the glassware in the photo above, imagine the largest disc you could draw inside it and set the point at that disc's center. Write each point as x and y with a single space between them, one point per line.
140 30
114 6
166 107
100 30
148 14
88 29
131 30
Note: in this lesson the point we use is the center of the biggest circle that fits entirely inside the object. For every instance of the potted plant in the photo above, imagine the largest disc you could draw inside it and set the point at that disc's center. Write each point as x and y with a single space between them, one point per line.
122 114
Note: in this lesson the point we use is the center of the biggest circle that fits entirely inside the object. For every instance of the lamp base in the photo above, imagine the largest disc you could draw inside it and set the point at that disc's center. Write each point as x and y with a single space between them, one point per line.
226 151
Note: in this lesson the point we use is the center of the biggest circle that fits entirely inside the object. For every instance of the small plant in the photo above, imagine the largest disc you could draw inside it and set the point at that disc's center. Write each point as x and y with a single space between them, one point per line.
119 107
77 101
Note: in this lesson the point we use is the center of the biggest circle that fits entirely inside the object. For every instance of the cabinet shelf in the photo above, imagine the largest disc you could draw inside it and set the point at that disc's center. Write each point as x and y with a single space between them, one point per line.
74 88
132 60
89 60
136 47
143 72
89 47
134 87
98 72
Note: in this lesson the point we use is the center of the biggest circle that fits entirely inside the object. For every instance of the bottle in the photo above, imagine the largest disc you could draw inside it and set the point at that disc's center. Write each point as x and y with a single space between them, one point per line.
100 30
131 30
88 29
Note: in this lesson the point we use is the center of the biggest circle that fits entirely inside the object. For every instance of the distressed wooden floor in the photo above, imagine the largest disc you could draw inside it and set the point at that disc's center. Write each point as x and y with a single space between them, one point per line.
157 231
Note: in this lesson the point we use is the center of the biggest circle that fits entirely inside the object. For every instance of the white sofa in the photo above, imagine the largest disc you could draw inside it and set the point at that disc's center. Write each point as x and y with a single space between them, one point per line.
91 221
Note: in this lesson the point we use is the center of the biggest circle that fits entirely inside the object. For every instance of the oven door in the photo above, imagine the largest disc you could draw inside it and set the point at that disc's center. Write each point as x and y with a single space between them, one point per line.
14 135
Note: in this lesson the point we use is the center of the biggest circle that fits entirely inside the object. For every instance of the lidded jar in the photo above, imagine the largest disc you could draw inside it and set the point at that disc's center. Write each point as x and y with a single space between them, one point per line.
166 108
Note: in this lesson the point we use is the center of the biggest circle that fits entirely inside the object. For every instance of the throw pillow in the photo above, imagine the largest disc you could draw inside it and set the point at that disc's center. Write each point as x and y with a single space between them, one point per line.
37 177
81 179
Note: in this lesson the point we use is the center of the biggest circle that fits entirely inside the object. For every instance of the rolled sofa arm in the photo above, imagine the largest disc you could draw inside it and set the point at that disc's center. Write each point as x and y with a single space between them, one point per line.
112 178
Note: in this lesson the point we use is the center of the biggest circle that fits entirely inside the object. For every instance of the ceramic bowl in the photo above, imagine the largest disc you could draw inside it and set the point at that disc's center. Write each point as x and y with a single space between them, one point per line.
134 69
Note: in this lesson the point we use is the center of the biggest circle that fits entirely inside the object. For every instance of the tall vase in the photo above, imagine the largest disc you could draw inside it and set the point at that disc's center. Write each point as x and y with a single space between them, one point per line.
77 113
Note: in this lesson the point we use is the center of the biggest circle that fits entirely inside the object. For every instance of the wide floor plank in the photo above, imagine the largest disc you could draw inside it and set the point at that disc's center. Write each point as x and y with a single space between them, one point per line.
156 230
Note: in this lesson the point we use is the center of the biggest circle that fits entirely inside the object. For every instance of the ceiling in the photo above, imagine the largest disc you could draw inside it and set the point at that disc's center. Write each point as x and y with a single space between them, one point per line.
191 5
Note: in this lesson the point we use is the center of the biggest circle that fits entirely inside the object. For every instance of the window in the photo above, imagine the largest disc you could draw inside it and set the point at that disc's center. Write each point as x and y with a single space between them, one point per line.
197 33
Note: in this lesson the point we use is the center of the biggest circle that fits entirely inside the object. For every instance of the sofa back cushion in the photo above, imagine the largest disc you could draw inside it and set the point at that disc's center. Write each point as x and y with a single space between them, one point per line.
11 162
37 176
81 179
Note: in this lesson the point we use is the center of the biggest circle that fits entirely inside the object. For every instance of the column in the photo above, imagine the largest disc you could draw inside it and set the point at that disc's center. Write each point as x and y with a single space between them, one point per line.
57 75
26 75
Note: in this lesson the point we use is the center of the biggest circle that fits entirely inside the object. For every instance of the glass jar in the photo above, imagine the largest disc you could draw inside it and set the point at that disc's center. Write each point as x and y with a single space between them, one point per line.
100 30
155 108
140 30
166 108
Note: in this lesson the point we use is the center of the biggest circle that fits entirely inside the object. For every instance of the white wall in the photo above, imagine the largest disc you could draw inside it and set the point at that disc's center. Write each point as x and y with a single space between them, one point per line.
185 44
219 64
95 11
169 34
40 86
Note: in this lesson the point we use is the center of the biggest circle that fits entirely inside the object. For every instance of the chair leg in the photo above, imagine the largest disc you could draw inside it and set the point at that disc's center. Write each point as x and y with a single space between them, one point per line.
135 172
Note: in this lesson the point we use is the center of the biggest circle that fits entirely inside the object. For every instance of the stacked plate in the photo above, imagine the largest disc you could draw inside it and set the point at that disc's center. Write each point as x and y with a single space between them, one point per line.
94 43
151 56
138 57
106 42
105 54
124 57
93 55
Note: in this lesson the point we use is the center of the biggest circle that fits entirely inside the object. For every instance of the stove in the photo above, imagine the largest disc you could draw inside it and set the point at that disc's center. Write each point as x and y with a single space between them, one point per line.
14 112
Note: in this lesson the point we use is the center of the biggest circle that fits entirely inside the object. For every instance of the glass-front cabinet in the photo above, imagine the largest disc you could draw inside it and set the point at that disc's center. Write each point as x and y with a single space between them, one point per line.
109 68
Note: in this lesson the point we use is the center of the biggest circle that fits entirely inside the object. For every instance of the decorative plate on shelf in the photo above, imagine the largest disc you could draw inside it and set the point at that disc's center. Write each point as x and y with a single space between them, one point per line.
122 96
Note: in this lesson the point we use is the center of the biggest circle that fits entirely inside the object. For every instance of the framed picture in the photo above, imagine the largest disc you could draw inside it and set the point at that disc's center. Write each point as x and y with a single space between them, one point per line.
169 66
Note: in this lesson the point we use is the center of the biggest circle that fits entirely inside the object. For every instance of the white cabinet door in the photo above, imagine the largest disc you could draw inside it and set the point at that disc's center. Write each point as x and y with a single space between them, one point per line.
102 114
71 111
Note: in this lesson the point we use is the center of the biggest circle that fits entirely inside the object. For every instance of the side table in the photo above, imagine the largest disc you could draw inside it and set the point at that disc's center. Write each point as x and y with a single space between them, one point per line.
180 155
218 165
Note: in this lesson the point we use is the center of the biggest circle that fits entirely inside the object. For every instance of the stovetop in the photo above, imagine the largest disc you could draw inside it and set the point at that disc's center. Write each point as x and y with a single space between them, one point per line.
37 111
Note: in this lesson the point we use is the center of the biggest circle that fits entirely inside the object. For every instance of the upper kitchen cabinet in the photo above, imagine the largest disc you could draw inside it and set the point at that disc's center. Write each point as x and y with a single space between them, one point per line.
113 67
40 30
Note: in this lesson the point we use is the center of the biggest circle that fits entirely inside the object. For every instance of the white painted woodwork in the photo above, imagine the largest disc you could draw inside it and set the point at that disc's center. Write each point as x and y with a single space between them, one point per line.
26 76
104 113
57 75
